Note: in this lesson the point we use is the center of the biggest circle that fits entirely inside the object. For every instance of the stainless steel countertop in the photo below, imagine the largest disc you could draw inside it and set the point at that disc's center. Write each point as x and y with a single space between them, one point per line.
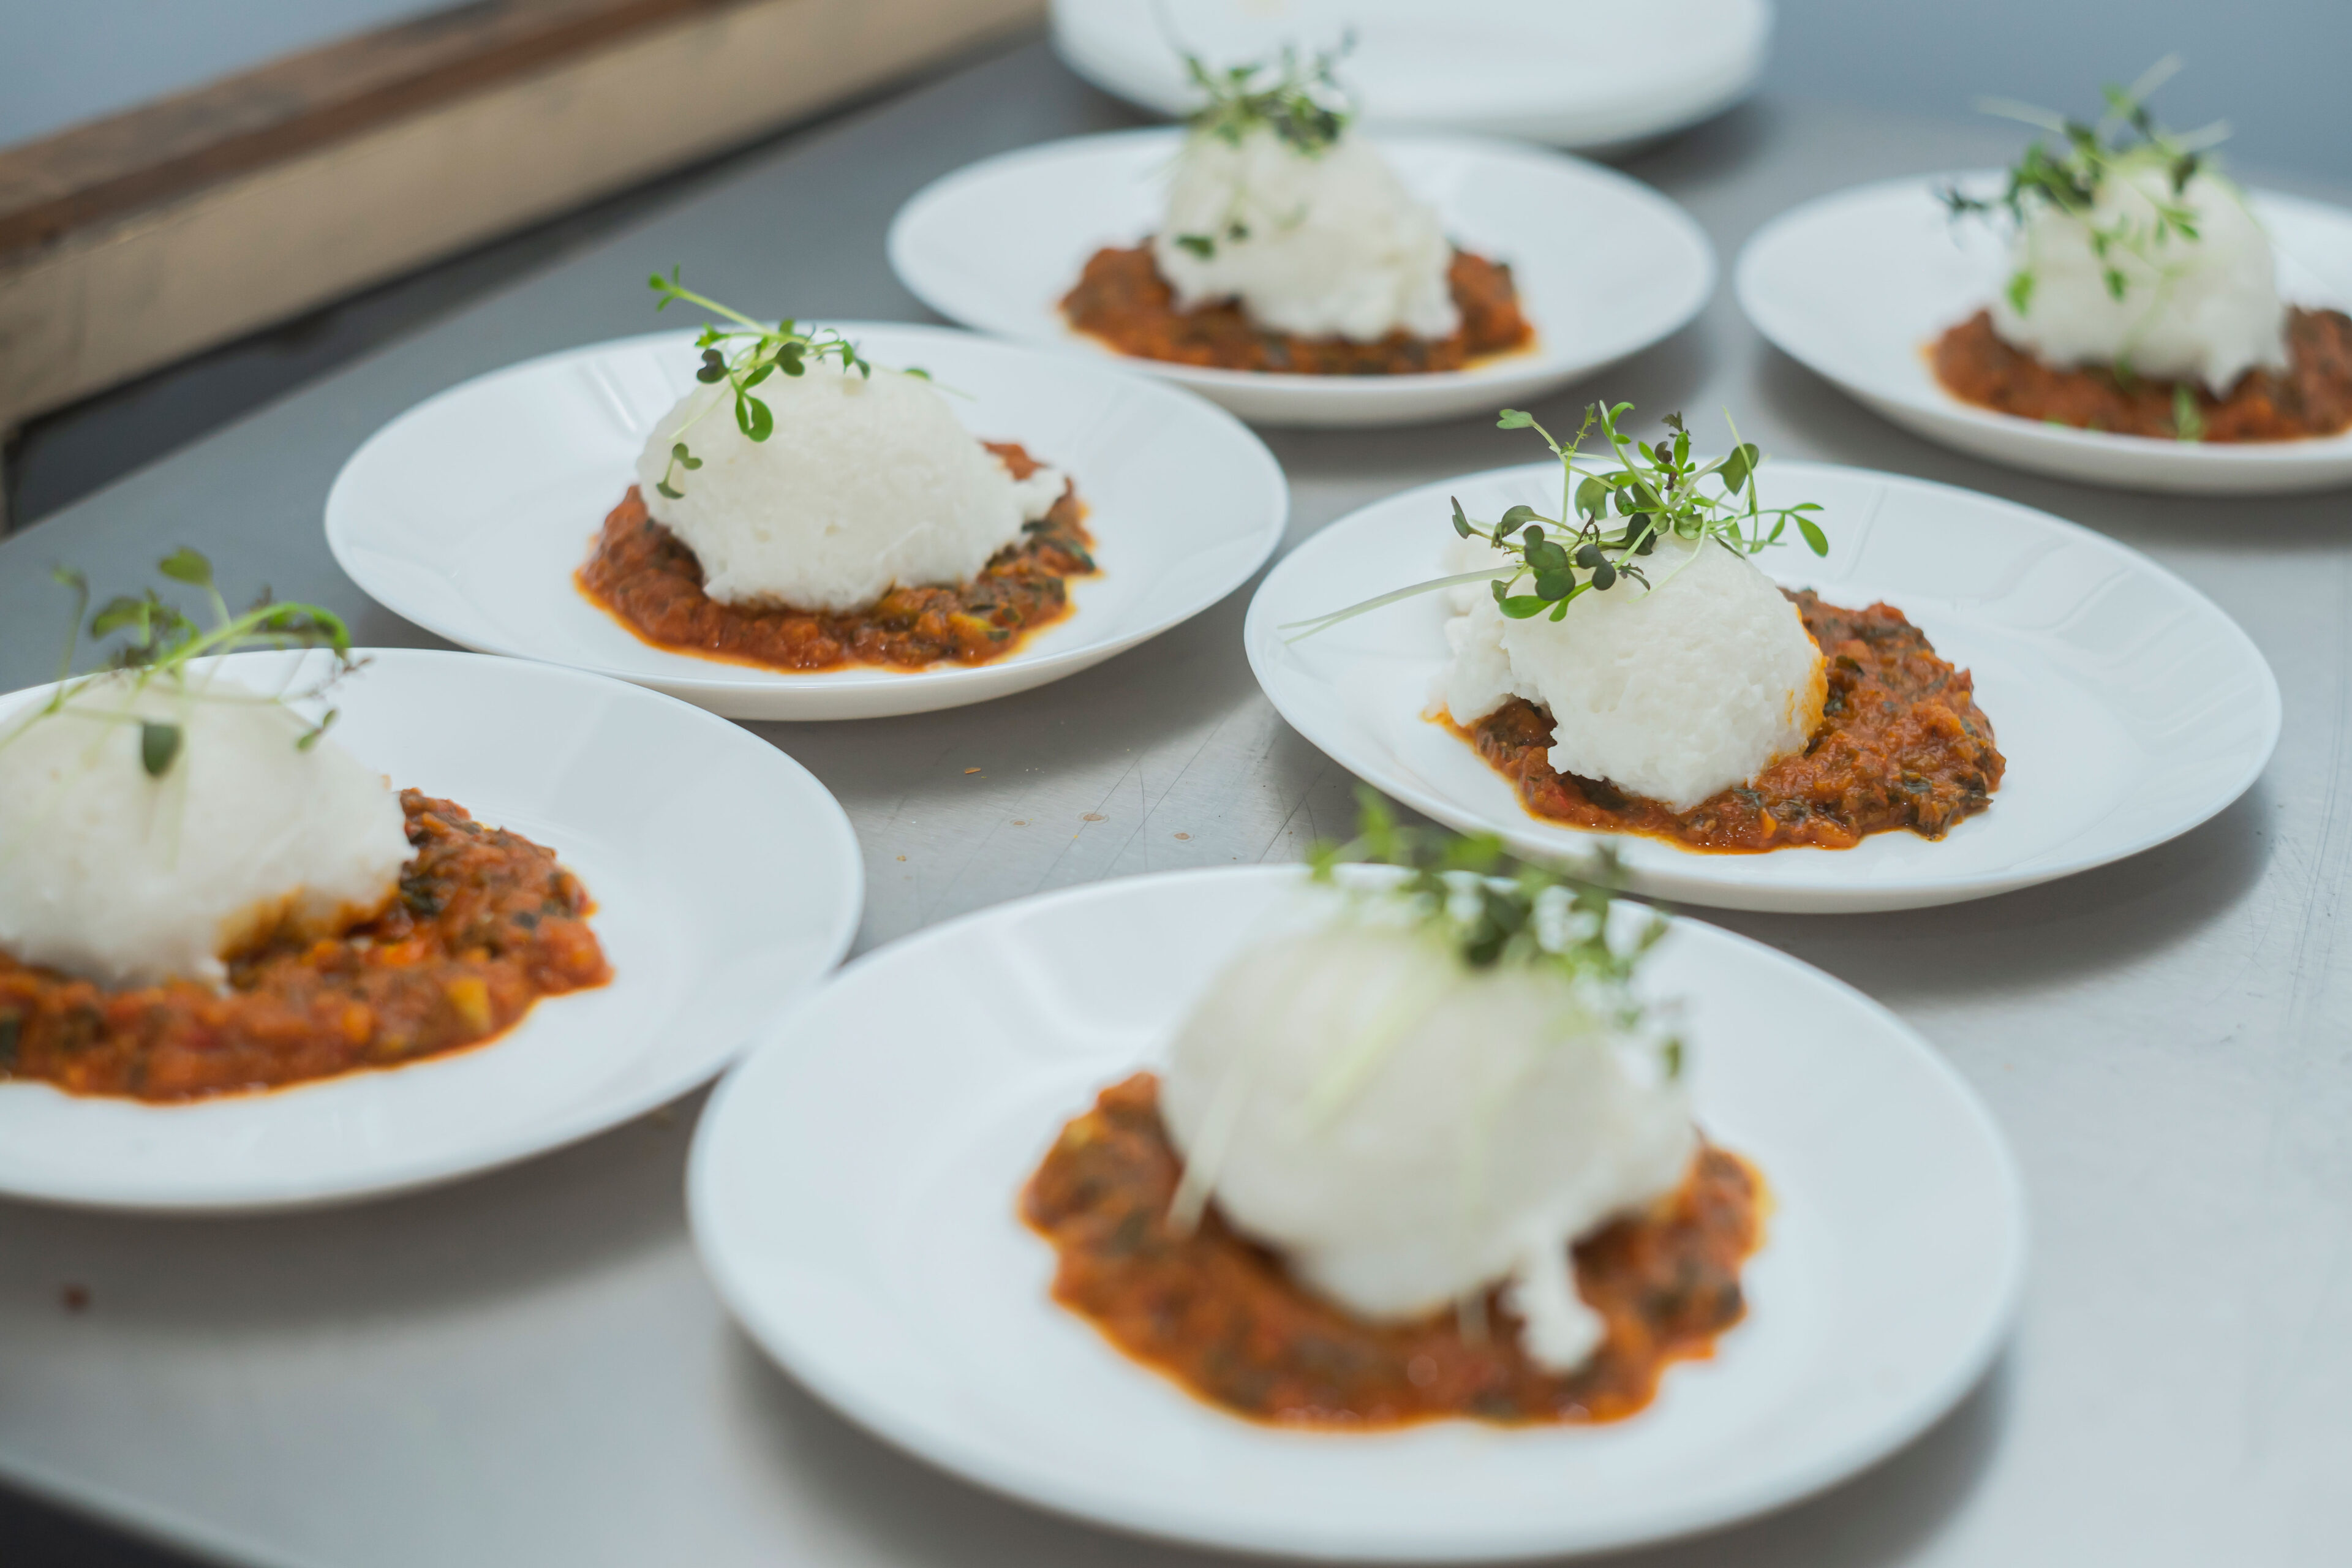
530 1369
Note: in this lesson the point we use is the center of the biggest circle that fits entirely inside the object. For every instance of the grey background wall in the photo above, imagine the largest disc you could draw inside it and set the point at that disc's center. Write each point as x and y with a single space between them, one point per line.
2275 69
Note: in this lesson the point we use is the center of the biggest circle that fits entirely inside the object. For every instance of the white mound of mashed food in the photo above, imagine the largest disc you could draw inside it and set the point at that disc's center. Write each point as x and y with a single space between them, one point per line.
1676 692
2206 308
863 486
124 879
1332 243
1408 1130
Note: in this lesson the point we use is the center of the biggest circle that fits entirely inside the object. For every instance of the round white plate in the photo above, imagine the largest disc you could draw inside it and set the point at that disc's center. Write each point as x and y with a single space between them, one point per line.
727 881
2130 708
893 1276
1591 303
1575 73
1857 287
469 513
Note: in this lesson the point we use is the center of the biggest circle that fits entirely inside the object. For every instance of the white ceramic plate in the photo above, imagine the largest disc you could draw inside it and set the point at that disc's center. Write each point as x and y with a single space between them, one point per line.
891 1275
2130 707
469 513
1575 73
1591 304
727 881
1856 285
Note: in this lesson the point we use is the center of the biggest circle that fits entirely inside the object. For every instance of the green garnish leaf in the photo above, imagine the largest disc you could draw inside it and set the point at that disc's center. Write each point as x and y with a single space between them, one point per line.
1495 908
744 352
1298 101
1200 245
2188 418
2068 177
1655 489
184 565
157 744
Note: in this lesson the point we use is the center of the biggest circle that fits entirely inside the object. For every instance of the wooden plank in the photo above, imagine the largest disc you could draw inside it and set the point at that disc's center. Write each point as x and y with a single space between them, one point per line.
170 147
147 238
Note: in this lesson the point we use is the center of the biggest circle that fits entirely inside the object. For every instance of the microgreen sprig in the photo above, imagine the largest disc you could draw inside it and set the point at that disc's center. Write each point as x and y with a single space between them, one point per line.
743 355
1491 905
160 640
1298 100
1302 105
1611 518
2069 177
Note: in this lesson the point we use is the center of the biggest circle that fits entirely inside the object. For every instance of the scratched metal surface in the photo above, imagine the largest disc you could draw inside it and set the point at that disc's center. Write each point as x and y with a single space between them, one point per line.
530 1369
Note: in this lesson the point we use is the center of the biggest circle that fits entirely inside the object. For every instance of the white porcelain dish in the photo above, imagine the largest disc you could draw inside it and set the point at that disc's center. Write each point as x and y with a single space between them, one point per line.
469 513
892 1276
1857 287
725 881
1592 302
1573 73
2130 707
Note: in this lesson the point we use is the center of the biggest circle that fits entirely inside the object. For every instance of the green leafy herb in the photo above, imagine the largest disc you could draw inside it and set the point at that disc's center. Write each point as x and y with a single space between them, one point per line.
157 744
2188 418
1611 520
743 355
160 641
1298 101
2067 177
1498 910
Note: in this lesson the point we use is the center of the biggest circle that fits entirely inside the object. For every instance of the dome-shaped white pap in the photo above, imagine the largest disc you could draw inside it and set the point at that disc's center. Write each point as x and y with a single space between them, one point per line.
1320 243
125 877
1674 693
1408 1130
2203 308
864 484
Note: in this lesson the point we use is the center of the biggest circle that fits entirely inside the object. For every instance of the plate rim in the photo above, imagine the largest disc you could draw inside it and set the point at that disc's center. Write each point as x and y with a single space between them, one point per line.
978 1465
1688 883
1741 75
735 691
556 1133
2309 463
1364 392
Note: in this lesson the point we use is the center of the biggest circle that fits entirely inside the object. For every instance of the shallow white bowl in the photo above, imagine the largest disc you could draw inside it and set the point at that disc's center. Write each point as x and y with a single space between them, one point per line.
1580 75
469 513
726 880
2130 708
1605 266
1856 285
891 1274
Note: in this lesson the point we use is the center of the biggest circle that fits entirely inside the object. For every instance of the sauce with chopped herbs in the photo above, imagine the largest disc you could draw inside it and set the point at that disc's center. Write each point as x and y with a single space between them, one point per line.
1219 1316
1122 300
650 582
1902 745
2313 396
484 925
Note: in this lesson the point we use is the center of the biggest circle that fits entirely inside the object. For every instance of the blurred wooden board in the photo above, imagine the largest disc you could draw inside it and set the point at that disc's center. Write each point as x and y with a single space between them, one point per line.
131 241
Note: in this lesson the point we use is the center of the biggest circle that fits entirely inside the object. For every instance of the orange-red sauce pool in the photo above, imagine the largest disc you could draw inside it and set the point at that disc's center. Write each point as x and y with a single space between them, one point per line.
2313 396
1902 745
644 577
1121 298
484 926
1219 1316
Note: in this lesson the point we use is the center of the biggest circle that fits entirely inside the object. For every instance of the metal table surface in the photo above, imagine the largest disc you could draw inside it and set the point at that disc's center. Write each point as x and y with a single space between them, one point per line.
529 1368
